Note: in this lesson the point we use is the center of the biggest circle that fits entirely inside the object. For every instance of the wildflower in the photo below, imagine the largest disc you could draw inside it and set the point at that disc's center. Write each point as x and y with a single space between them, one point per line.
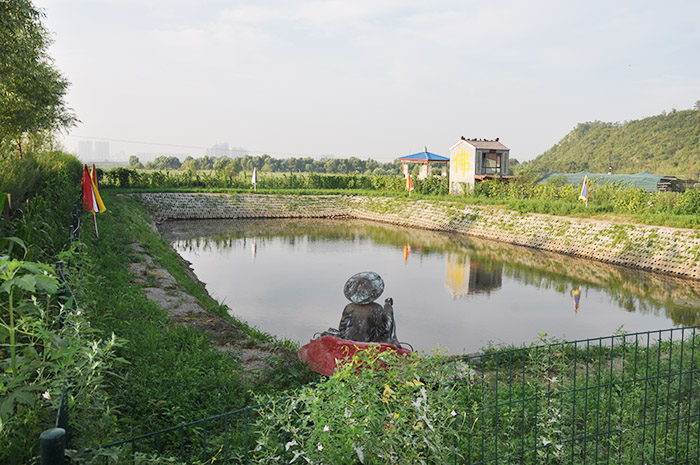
79 312
388 392
453 413
320 447
396 415
414 383
326 429
46 395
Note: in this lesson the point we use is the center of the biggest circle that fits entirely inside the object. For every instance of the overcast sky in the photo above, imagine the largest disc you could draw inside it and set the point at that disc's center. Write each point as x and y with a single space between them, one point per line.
372 79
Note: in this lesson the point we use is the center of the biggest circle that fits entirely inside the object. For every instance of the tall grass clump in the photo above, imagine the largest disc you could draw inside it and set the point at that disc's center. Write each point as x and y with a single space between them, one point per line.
47 345
44 189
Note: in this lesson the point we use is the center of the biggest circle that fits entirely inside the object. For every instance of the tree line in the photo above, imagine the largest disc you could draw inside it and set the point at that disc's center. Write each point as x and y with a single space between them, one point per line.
232 166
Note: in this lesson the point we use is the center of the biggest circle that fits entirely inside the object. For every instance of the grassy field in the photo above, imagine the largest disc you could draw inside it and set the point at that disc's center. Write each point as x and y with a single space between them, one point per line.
193 379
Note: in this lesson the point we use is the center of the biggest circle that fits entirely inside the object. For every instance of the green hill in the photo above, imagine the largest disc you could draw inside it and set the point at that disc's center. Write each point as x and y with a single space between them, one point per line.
666 144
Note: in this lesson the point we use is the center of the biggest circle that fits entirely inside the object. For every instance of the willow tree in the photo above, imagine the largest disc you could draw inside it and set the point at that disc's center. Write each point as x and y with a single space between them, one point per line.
32 90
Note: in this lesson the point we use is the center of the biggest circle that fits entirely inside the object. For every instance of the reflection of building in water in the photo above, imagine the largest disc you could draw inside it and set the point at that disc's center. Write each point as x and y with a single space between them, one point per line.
464 276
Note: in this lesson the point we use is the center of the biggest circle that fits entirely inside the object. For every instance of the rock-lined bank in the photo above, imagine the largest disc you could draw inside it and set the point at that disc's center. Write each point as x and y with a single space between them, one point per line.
654 248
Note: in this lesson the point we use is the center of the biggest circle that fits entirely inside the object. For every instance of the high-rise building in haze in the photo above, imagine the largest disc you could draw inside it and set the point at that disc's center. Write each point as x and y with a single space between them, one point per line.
219 149
101 152
238 151
222 149
97 151
85 150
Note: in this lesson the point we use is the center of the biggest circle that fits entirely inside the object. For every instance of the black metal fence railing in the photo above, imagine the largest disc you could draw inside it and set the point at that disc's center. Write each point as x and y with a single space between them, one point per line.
53 441
623 399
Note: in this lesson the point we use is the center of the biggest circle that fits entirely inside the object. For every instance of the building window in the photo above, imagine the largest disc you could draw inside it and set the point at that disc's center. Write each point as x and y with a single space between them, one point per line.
491 162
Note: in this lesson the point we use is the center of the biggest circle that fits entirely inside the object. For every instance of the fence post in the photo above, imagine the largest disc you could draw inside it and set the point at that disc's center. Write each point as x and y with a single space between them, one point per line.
53 446
62 415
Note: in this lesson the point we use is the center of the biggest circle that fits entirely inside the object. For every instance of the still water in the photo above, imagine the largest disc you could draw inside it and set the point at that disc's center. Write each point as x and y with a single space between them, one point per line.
459 294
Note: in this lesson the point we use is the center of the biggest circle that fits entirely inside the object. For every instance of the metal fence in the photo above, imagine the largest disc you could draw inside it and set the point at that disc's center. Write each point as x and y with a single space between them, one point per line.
53 441
628 398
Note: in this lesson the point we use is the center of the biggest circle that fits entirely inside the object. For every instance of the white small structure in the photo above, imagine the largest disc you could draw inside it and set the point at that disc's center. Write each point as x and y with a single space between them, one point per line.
474 160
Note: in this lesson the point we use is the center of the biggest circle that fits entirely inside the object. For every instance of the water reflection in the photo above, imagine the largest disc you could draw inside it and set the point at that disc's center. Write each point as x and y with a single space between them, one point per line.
448 289
465 276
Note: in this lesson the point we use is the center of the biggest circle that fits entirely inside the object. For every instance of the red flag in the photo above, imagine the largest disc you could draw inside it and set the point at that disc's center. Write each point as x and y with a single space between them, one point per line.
88 195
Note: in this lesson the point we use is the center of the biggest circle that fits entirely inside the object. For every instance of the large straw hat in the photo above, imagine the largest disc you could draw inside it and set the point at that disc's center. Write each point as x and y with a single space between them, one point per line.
364 287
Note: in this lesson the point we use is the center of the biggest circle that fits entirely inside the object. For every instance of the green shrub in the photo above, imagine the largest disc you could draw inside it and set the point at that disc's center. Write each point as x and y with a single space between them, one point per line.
47 346
380 408
689 203
42 222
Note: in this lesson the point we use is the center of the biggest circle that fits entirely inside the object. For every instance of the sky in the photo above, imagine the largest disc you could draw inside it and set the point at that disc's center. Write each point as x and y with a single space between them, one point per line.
373 79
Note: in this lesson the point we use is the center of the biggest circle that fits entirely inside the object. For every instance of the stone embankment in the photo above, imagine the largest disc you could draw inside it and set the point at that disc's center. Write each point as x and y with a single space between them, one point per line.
653 248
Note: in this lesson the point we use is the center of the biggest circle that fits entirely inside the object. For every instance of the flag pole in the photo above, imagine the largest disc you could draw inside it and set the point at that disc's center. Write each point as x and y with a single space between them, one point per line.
94 223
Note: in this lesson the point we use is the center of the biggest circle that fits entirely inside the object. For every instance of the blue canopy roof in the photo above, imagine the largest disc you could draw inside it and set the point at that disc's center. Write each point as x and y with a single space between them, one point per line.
424 156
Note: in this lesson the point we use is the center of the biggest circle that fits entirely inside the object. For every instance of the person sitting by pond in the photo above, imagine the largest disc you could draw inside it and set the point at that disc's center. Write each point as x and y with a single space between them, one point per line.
364 320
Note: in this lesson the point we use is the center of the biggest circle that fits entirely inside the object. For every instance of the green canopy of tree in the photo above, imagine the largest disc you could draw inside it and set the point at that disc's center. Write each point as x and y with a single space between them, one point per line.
666 144
32 91
135 163
164 163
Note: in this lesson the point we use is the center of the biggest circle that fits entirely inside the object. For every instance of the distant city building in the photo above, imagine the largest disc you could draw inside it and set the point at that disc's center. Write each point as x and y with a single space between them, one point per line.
222 149
101 150
238 151
219 149
85 150
93 151
475 160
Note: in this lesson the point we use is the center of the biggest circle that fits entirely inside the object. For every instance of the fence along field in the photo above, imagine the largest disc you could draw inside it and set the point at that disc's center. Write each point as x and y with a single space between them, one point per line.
622 399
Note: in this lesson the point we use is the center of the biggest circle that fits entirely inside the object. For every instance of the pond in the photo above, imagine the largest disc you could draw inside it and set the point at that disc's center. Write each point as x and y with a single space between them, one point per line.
451 292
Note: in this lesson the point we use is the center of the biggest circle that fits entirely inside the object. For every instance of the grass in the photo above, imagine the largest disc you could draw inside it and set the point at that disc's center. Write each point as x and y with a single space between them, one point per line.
173 374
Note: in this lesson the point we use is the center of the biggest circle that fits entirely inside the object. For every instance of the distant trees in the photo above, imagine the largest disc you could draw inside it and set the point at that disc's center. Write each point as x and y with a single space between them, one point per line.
164 163
266 163
32 91
135 163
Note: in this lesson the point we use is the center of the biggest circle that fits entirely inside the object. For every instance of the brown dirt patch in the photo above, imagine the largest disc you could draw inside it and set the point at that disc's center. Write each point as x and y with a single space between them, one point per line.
184 309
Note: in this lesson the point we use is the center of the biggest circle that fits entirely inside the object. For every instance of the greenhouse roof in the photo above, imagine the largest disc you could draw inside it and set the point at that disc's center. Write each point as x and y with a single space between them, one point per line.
644 180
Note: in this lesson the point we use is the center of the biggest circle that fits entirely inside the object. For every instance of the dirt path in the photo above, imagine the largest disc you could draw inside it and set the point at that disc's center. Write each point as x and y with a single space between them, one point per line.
184 309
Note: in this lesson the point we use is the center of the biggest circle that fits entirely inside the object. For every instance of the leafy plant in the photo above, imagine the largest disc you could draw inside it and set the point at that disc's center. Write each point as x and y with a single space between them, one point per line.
47 347
380 408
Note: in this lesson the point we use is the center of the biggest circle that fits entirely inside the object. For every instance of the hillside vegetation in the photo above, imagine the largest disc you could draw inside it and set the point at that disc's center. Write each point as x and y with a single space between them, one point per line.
664 144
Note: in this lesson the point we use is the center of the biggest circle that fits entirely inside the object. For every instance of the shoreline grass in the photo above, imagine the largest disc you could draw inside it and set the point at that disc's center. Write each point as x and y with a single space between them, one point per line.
173 374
